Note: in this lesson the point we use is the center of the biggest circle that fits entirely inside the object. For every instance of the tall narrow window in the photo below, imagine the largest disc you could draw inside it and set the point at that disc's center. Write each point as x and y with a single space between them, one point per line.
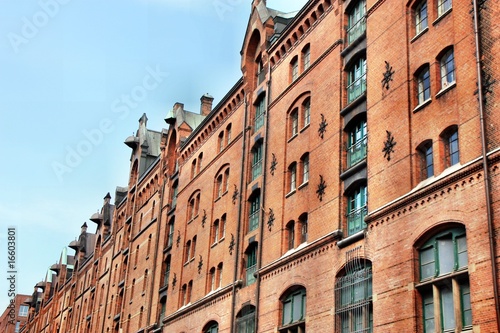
251 263
423 85
212 278
356 80
306 57
294 68
307 112
447 65
353 299
221 141
193 247
225 185
222 227
219 275
294 123
187 251
228 134
253 217
166 275
257 160
421 17
356 144
184 294
173 199
219 188
443 6
444 282
292 172
356 22
453 152
293 311
426 160
303 228
305 168
215 231
259 113
170 239
290 233
356 210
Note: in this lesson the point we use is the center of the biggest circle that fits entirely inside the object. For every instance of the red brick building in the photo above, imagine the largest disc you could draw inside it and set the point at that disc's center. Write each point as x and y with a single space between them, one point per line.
346 183
15 315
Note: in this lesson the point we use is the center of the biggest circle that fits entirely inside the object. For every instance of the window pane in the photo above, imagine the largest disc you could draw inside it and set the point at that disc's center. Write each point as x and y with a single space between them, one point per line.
427 264
287 312
297 307
466 308
462 251
447 309
445 256
428 302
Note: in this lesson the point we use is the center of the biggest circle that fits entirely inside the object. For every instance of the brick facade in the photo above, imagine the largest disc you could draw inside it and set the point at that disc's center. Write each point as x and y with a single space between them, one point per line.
341 185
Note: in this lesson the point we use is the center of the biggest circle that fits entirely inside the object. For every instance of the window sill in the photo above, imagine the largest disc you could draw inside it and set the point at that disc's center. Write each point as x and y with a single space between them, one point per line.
422 105
434 280
436 21
292 137
450 86
306 126
290 193
417 36
304 184
214 244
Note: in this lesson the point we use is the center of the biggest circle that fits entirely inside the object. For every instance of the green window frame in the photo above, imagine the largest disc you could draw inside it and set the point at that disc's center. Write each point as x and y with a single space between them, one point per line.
356 21
356 210
253 217
257 160
259 113
356 79
251 264
245 320
294 307
356 144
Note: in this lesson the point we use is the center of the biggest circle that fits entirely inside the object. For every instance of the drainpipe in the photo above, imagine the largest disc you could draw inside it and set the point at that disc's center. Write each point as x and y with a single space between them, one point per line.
240 217
487 183
262 203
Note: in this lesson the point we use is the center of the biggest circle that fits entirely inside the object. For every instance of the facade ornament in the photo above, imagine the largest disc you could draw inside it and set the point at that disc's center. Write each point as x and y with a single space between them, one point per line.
235 194
274 164
389 145
387 75
487 83
322 126
174 280
178 238
204 218
200 264
270 221
231 245
321 188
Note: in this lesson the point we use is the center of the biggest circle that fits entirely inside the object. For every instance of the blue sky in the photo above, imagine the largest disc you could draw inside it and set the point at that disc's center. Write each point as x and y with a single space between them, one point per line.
75 77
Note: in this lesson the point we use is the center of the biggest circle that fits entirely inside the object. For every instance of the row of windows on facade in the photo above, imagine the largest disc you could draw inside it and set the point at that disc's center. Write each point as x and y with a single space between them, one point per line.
450 147
421 17
442 286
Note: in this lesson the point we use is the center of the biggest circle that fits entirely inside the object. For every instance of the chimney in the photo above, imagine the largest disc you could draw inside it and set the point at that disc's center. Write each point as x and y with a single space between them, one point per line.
206 104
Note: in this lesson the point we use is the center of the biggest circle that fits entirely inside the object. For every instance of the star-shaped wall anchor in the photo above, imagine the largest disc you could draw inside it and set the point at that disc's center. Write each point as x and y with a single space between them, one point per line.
321 188
200 264
274 165
235 194
387 75
322 126
270 221
204 218
388 146
231 245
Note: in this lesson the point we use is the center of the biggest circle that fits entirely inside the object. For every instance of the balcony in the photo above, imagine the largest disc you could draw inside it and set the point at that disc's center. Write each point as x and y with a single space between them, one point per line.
254 220
356 152
356 88
356 220
356 30
250 274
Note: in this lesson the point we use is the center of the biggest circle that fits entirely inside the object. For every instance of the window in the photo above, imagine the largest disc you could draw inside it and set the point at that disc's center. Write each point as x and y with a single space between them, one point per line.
193 247
421 17
18 326
307 112
426 160
219 275
189 291
222 227
294 311
193 169
450 140
259 113
253 217
173 199
356 24
212 279
306 57
212 328
187 251
200 162
221 141
290 235
193 206
219 188
305 168
447 65
303 227
257 160
444 280
443 6
166 275
251 263
225 185
170 239
23 310
356 210
294 68
292 172
163 309
356 144
356 80
423 85
245 320
294 123
228 134
353 299
215 232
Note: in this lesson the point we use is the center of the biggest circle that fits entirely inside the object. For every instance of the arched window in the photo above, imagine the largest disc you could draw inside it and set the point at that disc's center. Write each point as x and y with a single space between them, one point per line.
251 263
353 298
245 320
447 66
356 209
420 14
211 327
292 177
423 80
257 151
444 282
290 235
356 21
306 57
293 310
356 79
449 138
426 160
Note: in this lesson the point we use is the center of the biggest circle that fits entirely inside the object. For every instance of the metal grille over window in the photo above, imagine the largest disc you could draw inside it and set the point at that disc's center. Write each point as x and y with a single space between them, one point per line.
353 296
